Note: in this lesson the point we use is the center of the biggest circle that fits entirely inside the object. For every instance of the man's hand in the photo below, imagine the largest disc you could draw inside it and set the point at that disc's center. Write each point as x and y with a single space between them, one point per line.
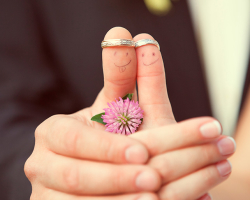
74 157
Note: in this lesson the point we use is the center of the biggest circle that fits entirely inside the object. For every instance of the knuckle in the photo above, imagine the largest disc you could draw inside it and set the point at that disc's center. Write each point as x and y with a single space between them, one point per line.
46 125
56 122
209 177
71 141
39 131
71 177
183 129
55 118
109 149
170 194
30 169
150 140
153 73
163 166
67 128
208 155
118 180
120 82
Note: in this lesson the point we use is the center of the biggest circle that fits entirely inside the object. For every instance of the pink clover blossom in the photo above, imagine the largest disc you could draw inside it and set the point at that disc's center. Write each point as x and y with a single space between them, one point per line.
123 116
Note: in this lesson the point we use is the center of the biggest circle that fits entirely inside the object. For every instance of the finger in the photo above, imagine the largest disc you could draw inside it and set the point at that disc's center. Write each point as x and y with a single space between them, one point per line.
193 158
206 196
152 89
94 178
56 195
184 134
196 184
119 68
66 136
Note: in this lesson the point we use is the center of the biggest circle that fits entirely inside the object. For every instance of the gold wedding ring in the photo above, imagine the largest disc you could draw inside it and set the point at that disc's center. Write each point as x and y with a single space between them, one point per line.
117 43
143 42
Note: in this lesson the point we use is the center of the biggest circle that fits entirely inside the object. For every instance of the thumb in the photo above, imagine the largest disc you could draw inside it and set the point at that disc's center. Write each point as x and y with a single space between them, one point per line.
119 69
152 89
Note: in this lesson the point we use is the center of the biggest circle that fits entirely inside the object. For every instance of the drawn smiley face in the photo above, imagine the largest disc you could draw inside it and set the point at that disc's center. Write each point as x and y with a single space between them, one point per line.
122 59
149 58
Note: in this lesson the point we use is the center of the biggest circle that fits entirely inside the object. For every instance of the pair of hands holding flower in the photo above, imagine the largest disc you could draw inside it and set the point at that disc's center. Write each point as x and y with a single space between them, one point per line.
75 159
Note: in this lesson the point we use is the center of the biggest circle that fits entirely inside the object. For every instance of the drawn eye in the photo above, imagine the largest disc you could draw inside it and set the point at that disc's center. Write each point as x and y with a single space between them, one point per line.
153 54
143 55
127 54
114 53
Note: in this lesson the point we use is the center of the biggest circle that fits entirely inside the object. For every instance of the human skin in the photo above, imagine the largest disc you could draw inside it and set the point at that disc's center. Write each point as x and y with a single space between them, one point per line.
237 186
74 158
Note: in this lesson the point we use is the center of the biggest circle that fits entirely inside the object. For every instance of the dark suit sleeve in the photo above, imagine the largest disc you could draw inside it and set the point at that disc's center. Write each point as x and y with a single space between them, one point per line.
31 89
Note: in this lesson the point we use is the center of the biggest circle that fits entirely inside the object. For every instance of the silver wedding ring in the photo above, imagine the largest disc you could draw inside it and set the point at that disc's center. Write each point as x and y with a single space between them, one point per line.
128 43
117 43
145 42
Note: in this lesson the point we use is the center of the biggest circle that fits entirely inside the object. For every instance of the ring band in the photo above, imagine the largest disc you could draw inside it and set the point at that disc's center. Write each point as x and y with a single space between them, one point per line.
117 42
145 42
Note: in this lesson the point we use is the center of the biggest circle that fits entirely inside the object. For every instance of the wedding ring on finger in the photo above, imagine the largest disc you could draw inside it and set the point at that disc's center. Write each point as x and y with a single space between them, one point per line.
143 42
117 43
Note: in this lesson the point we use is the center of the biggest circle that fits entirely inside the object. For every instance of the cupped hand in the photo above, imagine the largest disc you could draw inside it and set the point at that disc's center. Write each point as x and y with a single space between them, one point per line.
190 156
74 157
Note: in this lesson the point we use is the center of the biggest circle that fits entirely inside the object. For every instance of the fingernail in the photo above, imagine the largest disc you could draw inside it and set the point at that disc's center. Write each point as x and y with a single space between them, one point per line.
224 167
136 154
146 180
226 146
146 197
211 129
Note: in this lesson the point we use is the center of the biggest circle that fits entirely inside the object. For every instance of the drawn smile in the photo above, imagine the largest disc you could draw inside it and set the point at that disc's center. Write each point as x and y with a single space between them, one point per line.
150 63
122 65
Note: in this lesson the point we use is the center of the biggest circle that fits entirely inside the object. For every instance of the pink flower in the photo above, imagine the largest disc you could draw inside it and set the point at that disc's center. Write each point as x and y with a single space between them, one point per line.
123 116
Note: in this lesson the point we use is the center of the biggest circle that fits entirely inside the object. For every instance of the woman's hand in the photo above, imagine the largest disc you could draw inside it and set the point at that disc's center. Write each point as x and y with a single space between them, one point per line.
189 156
71 159
189 169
